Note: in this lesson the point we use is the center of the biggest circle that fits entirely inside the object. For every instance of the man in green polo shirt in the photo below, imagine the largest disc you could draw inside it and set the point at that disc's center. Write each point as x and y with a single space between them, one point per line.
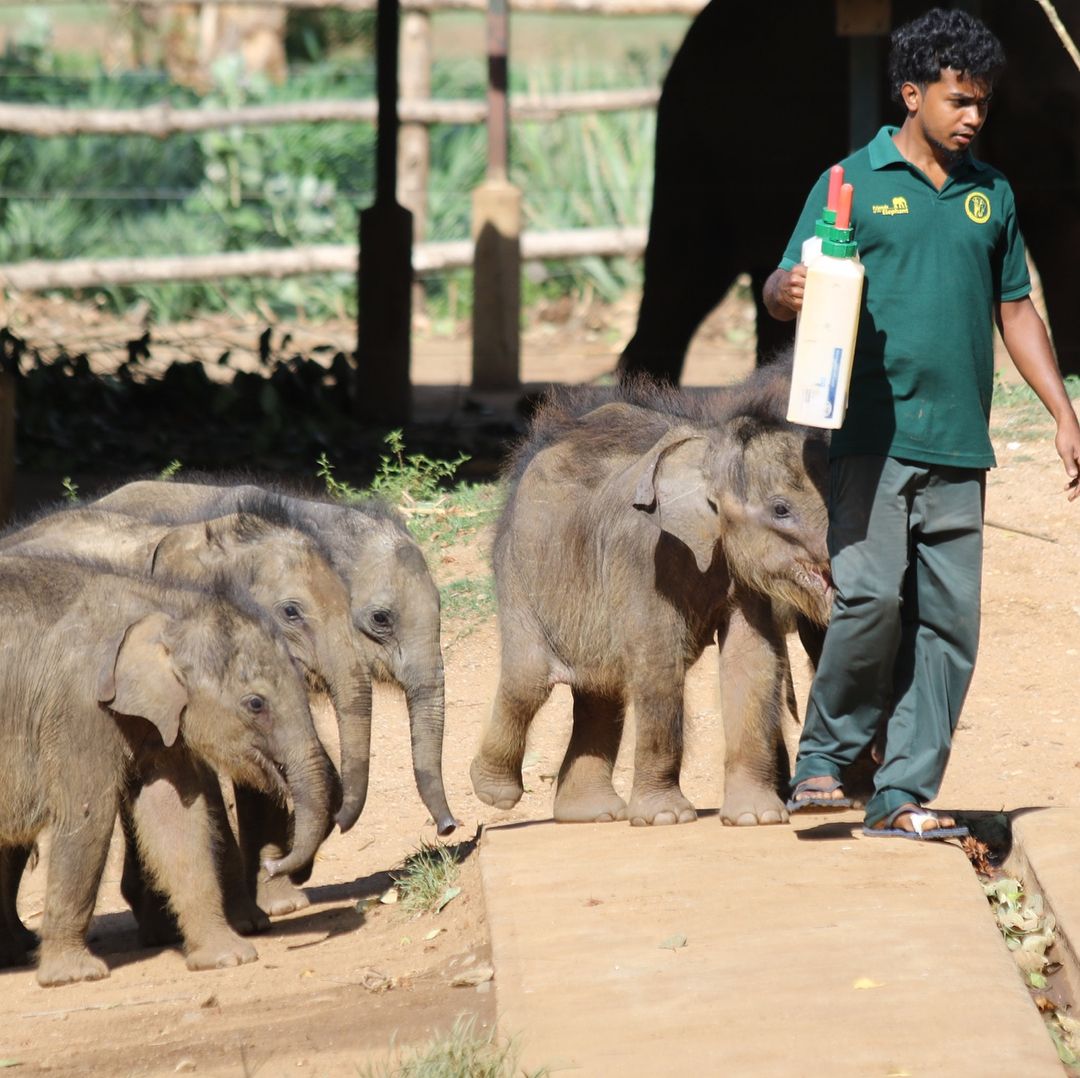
938 235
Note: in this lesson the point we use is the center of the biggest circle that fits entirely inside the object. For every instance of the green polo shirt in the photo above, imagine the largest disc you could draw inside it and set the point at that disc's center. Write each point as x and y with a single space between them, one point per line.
937 263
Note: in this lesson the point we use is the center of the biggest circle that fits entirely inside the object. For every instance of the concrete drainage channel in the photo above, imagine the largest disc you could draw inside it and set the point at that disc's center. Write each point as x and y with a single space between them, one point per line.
1034 895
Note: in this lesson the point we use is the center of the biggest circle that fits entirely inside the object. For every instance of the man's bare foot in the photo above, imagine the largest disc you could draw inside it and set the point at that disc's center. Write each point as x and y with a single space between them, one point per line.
818 791
913 821
916 819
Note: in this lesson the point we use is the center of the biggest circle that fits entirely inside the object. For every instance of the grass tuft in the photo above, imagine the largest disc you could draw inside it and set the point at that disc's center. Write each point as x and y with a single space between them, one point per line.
463 1052
425 878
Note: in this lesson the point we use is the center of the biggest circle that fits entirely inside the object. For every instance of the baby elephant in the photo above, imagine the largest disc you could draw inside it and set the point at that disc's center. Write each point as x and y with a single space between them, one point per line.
632 537
118 687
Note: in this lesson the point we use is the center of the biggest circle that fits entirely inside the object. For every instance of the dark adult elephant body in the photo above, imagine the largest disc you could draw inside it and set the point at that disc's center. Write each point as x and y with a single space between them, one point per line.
755 107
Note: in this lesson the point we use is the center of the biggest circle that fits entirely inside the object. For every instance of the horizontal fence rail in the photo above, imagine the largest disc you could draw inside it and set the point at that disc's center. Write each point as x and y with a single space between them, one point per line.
160 121
428 258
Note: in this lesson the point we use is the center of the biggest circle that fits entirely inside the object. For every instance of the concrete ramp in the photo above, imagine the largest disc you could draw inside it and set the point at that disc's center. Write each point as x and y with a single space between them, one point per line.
709 950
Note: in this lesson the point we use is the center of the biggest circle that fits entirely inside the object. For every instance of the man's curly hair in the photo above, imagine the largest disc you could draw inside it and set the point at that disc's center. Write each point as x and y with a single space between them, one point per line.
940 38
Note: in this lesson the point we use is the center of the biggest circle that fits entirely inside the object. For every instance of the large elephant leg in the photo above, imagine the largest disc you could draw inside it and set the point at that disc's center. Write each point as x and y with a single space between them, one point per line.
13 861
656 797
585 793
16 940
687 273
174 818
754 674
1053 235
496 768
265 835
773 337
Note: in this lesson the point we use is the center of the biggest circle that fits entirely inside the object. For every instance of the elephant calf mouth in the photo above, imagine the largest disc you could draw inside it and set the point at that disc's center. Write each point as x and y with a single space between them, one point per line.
816 580
272 774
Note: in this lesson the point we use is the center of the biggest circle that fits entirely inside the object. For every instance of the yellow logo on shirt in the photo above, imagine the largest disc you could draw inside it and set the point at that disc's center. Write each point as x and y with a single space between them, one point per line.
888 209
977 207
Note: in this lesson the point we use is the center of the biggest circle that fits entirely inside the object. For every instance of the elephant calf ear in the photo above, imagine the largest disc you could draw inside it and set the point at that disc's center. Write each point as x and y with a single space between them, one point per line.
671 490
138 677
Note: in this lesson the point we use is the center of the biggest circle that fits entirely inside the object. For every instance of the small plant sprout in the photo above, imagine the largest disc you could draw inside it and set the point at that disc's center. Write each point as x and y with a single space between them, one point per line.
170 470
414 479
71 489
340 491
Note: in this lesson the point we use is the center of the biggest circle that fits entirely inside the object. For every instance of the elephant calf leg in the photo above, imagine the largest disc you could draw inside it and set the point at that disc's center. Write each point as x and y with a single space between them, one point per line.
264 835
754 676
76 863
656 798
174 825
585 793
496 768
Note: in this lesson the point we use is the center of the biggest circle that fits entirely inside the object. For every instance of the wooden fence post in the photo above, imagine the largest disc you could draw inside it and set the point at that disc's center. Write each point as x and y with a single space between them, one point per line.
414 146
384 289
496 230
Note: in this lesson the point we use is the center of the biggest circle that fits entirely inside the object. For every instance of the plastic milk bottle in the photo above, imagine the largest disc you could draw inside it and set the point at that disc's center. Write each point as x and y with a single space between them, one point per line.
828 323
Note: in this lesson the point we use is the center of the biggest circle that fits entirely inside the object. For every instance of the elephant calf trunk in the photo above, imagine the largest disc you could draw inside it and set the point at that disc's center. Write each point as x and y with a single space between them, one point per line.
311 788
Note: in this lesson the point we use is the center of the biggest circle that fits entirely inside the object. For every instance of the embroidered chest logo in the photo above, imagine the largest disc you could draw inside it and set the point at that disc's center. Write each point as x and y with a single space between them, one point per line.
977 207
890 209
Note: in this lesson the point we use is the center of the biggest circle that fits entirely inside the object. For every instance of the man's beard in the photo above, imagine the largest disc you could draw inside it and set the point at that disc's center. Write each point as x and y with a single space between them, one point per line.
946 154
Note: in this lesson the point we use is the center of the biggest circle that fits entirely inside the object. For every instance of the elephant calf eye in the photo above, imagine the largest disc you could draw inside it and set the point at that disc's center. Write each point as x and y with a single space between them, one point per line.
255 704
781 510
292 612
381 618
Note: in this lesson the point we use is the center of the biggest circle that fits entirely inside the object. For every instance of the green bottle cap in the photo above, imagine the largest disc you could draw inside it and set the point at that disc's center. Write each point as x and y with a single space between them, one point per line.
839 243
824 224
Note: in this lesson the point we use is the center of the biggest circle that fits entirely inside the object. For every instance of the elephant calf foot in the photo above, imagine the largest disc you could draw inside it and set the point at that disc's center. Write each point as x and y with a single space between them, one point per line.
278 896
658 808
68 965
498 788
747 803
222 950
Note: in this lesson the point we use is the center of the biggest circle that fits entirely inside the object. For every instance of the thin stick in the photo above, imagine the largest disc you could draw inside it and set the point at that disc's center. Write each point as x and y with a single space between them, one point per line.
1062 33
1019 531
106 1006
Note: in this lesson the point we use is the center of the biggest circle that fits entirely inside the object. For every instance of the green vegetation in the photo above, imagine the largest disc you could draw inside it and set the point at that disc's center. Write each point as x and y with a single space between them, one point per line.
471 599
426 880
463 1052
244 188
412 481
437 515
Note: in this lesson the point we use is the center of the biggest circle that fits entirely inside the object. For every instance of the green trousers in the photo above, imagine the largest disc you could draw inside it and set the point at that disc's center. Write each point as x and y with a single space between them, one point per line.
905 541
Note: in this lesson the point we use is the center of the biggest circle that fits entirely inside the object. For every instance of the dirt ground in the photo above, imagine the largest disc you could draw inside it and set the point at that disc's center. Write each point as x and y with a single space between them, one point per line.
339 983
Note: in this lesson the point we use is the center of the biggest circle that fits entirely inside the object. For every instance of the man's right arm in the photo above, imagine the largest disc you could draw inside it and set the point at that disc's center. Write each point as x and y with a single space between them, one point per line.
783 292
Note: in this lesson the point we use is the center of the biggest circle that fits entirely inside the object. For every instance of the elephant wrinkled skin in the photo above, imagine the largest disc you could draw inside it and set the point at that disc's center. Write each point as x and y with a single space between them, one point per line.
634 535
116 687
394 608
